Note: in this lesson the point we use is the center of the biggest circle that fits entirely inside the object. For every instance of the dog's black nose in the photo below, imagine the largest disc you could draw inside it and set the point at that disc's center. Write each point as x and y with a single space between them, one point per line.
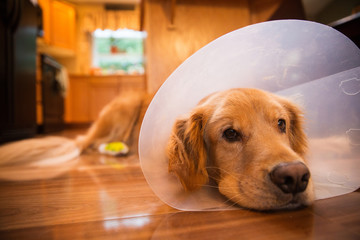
290 177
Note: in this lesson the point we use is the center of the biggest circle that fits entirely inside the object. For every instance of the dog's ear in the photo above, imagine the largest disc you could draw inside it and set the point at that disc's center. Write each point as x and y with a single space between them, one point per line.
297 135
186 151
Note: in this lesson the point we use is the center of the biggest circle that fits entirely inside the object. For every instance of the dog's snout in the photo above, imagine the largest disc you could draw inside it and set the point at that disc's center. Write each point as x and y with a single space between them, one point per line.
290 177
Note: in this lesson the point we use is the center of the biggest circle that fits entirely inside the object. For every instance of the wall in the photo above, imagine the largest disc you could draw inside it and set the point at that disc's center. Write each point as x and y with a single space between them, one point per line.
195 23
175 32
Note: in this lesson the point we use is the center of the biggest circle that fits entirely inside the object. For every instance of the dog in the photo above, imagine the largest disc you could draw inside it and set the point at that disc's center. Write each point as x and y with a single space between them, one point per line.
119 120
250 144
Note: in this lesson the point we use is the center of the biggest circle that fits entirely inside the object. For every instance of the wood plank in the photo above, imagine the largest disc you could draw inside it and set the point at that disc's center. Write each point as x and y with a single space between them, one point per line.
108 198
110 189
300 224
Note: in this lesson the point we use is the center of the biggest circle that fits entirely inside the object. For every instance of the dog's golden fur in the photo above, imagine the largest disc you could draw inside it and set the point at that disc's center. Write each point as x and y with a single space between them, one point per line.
198 152
118 121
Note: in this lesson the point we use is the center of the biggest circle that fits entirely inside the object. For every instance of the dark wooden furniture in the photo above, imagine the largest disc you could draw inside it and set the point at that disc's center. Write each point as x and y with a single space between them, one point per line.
52 96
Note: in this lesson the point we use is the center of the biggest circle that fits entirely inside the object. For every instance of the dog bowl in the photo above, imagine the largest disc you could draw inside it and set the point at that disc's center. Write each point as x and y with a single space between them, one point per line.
310 63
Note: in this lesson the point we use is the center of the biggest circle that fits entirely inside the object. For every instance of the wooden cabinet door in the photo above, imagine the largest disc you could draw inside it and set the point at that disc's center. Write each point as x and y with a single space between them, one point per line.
62 25
102 91
132 83
88 95
77 101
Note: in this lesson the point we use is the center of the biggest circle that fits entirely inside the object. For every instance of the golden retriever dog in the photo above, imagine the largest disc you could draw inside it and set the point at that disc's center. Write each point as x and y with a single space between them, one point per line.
119 120
250 144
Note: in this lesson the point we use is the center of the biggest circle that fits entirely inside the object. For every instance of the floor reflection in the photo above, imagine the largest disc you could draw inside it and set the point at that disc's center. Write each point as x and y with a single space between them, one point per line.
29 173
85 162
236 224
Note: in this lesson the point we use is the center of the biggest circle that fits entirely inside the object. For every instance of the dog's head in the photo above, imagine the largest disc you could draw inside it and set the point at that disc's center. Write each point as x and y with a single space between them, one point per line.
251 143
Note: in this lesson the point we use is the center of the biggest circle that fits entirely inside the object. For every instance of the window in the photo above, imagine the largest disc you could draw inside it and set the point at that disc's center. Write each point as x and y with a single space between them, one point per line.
118 52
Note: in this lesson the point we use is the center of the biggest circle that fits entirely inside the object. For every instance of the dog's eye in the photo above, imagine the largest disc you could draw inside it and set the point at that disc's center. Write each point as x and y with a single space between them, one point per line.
282 125
231 135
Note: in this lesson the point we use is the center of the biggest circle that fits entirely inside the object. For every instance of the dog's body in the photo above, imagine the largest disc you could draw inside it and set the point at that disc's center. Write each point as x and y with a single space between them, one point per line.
118 121
251 143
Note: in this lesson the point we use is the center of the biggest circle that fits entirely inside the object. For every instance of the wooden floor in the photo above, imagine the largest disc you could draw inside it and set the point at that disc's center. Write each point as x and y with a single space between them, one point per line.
108 198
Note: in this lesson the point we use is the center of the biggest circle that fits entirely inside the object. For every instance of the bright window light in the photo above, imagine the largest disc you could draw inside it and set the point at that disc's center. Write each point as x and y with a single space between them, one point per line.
118 52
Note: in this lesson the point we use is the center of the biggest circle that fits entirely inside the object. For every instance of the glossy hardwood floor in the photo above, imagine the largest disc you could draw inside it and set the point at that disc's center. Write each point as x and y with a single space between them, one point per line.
103 197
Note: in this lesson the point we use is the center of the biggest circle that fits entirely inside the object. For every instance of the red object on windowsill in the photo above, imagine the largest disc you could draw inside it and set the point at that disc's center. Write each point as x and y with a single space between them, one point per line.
114 49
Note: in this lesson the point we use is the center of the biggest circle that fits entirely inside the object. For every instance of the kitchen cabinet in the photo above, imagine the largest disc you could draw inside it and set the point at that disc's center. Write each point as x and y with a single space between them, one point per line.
102 91
77 107
58 24
87 95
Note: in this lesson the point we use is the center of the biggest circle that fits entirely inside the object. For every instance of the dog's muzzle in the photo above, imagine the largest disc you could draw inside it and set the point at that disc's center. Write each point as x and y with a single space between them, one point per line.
290 177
